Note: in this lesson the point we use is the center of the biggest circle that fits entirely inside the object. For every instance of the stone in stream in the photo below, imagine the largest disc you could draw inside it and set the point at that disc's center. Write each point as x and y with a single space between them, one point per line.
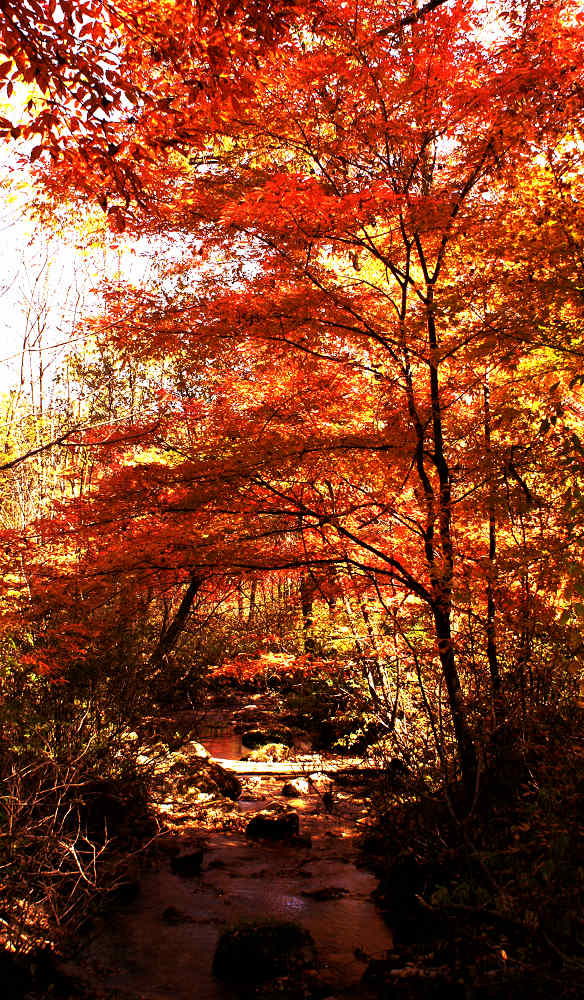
325 894
273 823
172 915
296 788
227 783
320 782
255 952
188 862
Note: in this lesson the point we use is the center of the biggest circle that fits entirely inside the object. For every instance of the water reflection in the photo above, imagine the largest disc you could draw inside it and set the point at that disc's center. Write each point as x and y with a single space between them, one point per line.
221 742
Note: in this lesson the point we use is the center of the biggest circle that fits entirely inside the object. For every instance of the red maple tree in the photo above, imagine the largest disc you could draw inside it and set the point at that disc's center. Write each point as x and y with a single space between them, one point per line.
356 379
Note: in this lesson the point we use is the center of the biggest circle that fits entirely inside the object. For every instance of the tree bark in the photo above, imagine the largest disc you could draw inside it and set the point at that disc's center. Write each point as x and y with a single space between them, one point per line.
306 600
442 568
467 754
170 634
496 694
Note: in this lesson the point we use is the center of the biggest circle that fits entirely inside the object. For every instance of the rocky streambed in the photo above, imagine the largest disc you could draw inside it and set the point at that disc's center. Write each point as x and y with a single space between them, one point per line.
245 845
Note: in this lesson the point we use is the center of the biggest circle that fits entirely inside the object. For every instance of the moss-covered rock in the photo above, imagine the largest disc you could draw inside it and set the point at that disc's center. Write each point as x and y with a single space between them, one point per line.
259 737
270 752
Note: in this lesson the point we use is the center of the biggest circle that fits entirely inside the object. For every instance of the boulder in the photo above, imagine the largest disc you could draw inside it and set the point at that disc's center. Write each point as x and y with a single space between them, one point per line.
253 953
320 782
195 749
296 788
254 738
227 784
272 751
325 894
193 767
273 823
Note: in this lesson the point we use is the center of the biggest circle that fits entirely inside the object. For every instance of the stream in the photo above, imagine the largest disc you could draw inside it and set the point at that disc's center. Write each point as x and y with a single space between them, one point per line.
161 943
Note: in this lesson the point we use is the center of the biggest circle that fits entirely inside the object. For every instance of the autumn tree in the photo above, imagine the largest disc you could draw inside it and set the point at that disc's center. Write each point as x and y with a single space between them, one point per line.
347 308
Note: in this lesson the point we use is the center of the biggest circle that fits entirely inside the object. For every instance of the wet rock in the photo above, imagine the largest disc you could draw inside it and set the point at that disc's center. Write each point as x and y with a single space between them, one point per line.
254 953
188 862
325 894
301 840
296 788
196 749
226 782
320 782
273 824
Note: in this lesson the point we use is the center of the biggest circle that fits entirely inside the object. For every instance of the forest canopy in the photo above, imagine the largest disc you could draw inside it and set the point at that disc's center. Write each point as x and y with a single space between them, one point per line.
344 423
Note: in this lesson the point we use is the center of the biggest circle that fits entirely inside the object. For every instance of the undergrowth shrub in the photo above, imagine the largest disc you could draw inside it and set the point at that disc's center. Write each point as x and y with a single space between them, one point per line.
73 805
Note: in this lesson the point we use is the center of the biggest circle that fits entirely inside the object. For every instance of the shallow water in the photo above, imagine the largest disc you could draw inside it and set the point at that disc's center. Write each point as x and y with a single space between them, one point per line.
141 954
226 745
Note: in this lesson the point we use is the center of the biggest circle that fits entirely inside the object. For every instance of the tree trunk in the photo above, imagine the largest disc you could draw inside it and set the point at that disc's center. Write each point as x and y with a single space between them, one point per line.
467 754
172 632
496 694
306 599
441 566
252 602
